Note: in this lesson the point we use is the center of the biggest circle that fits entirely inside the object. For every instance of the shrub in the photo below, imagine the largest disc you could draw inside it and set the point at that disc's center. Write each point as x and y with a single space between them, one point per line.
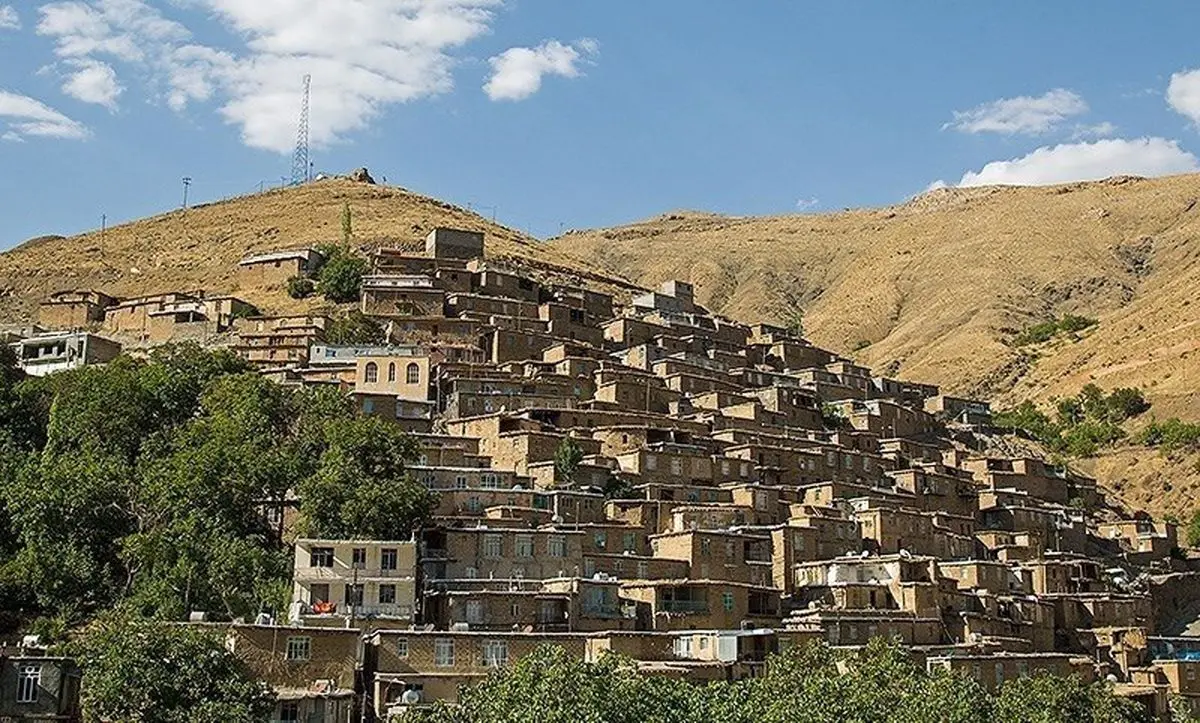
300 287
1170 435
1047 330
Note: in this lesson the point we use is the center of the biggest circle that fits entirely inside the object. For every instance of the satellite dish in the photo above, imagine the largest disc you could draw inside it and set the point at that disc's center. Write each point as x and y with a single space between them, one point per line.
410 697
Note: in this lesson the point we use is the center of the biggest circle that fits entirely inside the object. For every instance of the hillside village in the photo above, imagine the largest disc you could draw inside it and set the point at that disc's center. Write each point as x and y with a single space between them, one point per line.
642 476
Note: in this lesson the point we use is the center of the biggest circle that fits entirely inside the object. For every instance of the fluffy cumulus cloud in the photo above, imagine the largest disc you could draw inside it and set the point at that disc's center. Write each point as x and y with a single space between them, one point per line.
1085 162
363 56
1183 94
92 81
1024 114
517 73
9 20
23 117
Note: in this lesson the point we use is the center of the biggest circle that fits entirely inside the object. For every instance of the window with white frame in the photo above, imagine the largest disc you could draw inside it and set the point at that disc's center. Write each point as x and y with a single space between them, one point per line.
29 681
493 545
299 648
557 545
524 545
443 652
475 611
495 653
402 648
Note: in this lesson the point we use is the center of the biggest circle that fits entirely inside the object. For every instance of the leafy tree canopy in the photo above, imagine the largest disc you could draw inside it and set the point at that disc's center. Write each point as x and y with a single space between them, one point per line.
137 671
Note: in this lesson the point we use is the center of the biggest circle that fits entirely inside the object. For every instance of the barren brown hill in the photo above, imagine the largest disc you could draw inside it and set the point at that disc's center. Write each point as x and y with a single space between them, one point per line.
199 249
932 289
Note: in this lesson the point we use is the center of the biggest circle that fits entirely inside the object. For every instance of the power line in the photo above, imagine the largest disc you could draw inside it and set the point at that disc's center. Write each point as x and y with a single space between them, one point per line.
301 170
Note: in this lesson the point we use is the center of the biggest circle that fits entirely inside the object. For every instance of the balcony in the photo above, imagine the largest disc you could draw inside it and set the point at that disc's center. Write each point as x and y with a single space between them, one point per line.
685 607
347 574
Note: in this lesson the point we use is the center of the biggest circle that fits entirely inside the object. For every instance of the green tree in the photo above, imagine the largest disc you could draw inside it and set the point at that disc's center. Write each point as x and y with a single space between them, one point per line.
567 458
200 542
355 328
361 488
340 278
137 671
347 224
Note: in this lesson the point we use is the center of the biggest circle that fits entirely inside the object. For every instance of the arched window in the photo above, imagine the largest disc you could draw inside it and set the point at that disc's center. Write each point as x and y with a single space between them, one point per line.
372 373
392 372
412 374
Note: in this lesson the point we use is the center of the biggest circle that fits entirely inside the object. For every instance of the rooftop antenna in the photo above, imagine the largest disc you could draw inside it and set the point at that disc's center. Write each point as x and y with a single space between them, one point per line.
300 168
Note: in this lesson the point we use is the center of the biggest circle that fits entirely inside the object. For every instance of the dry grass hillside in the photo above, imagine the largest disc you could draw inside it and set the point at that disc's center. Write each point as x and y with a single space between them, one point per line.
200 249
932 289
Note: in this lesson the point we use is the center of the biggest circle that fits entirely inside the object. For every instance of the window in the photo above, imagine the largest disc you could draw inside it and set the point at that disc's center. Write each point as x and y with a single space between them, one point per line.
358 557
402 648
392 371
557 545
727 601
412 374
318 592
299 648
354 594
387 558
289 711
493 545
471 572
387 594
705 546
443 652
629 542
524 545
371 373
495 653
320 557
643 569
601 540
460 482
475 611
368 406
29 679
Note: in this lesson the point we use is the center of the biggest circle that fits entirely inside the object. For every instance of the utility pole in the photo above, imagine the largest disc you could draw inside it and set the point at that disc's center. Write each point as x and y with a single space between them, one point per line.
103 224
187 181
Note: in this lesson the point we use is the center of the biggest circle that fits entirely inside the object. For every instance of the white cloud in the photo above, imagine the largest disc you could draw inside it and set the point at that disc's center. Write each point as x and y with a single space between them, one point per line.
363 55
807 204
9 20
517 72
1183 94
92 81
1024 114
1086 162
127 30
23 117
1096 130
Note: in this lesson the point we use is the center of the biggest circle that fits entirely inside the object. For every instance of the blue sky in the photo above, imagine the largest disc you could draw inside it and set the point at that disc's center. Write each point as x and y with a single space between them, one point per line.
575 114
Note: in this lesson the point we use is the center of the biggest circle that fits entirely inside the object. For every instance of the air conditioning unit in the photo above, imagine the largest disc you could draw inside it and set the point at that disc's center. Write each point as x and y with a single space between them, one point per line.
460 627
